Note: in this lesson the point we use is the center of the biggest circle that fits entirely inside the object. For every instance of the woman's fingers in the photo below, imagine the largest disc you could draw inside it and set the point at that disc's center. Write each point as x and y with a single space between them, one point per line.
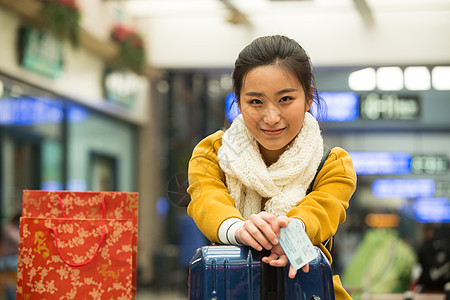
266 223
260 227
277 257
257 235
283 221
245 238
275 260
280 262
270 258
305 268
292 272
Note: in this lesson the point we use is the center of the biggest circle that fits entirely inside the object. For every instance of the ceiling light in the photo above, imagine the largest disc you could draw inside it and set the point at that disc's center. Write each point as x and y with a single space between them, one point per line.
417 78
441 78
390 78
362 80
173 7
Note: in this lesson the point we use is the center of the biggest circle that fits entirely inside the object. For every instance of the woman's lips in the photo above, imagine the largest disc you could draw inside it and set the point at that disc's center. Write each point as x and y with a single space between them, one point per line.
273 131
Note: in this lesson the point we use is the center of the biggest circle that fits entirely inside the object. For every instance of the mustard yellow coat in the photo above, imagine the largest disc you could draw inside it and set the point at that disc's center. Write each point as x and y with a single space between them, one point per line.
321 211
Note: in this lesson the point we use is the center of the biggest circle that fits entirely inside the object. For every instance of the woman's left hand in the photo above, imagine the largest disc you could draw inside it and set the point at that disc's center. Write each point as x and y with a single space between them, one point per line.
278 258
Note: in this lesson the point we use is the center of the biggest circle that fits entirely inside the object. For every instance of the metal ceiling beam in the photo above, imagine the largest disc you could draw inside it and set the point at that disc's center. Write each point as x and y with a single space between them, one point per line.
236 16
365 12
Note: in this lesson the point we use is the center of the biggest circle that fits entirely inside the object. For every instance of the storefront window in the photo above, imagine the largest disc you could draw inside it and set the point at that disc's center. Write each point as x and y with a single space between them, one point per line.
31 143
101 152
50 143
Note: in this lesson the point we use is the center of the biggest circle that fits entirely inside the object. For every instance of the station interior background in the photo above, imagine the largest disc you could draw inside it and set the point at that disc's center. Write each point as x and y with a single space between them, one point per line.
77 117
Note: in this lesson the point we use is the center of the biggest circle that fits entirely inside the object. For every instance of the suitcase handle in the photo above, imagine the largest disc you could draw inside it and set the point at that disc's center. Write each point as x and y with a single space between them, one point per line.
272 281
64 214
86 262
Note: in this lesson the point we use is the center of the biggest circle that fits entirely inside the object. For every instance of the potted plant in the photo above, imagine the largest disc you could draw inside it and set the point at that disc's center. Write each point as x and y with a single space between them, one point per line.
62 17
132 52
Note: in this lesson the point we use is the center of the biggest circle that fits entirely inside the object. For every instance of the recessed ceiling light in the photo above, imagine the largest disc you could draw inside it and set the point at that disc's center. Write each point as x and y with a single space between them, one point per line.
390 78
362 80
441 78
417 78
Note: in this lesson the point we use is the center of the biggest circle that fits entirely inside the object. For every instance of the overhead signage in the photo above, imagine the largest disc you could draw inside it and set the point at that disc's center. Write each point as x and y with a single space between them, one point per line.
403 188
348 107
371 163
432 210
40 52
430 164
336 107
121 88
231 107
376 163
442 189
340 106
26 111
376 106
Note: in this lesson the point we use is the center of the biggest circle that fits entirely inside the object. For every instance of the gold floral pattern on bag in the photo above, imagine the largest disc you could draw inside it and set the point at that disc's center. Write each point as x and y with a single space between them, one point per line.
107 275
40 244
84 208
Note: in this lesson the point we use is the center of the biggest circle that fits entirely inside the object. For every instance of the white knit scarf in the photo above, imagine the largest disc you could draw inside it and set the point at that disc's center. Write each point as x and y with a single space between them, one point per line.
284 182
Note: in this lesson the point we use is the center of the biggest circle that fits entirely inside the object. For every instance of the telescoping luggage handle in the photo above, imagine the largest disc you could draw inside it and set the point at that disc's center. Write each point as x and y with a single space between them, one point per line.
99 243
272 281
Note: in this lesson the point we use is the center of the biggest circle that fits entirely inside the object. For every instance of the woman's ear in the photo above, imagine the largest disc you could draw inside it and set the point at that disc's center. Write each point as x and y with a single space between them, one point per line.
310 101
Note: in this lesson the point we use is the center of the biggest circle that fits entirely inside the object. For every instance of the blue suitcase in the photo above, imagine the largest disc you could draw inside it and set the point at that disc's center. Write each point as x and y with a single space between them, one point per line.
236 272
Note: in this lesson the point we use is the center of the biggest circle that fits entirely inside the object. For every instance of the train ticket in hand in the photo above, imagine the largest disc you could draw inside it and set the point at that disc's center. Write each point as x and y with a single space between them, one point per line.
296 244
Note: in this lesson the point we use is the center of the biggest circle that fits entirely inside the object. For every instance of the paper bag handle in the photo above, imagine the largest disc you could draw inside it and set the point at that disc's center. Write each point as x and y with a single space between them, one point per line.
64 214
86 262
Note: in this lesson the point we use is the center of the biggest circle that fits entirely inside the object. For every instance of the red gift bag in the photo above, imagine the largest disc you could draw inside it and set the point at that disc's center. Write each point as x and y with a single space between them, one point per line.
75 258
86 205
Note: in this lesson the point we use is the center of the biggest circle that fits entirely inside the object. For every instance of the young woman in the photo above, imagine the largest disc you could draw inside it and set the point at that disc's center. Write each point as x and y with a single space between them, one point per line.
251 180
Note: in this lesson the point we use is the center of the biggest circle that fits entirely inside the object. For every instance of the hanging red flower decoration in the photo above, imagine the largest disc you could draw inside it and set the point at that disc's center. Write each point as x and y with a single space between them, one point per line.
62 17
132 52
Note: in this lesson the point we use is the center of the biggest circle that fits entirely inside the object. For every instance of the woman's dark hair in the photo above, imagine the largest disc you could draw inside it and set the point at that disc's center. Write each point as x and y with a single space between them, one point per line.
276 50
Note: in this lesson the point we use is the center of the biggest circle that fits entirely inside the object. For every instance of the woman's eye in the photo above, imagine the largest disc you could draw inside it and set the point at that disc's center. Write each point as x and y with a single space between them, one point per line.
255 101
284 99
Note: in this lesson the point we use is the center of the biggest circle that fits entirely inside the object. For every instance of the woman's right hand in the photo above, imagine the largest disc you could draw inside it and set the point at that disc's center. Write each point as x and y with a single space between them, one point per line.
261 231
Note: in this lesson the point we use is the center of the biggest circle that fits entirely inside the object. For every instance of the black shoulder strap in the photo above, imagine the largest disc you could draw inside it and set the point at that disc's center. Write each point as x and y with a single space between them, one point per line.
326 153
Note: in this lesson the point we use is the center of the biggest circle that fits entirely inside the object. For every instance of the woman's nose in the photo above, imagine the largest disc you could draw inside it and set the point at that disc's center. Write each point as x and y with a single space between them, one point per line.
272 115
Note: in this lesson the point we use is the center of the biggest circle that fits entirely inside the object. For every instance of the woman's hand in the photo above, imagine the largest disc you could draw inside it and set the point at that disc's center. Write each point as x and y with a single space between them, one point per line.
278 258
262 231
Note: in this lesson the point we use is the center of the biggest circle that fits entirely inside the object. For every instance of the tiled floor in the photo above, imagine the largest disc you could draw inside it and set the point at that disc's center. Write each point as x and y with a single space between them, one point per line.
149 295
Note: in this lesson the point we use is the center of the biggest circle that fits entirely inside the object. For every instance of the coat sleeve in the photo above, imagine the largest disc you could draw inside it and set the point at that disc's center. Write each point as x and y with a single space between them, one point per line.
324 208
211 203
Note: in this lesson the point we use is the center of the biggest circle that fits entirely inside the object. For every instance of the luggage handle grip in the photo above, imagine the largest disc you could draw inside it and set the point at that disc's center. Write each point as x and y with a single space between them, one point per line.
64 214
86 262
272 281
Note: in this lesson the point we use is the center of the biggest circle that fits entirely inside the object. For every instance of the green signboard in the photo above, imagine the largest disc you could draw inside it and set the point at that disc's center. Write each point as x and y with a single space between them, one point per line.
121 87
40 52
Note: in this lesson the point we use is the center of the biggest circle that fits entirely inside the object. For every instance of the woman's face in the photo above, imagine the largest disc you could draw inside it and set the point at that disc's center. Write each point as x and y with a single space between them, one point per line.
273 104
